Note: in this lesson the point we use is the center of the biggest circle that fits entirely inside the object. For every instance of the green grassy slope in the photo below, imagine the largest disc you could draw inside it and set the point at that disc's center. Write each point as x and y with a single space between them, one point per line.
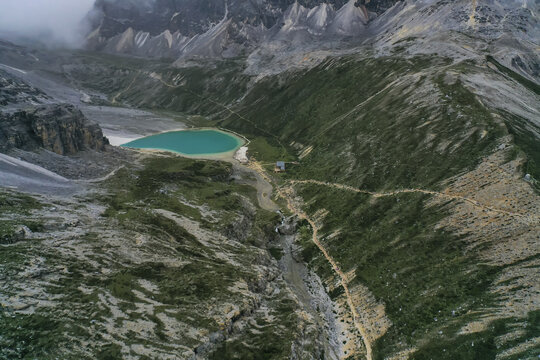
384 124
378 124
385 119
197 90
134 265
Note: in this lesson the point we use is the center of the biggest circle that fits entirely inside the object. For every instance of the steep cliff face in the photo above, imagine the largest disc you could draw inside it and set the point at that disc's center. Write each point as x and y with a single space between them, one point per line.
192 17
62 129
216 28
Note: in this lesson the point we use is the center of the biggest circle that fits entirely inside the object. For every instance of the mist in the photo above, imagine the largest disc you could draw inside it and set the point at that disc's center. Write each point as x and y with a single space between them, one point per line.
52 23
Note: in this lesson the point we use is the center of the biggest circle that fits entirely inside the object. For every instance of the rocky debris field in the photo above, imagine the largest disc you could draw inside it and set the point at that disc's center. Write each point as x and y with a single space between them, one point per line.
16 91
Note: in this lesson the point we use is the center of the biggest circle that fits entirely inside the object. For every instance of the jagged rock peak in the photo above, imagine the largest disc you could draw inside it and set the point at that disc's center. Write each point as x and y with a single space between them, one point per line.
183 28
193 17
350 19
320 16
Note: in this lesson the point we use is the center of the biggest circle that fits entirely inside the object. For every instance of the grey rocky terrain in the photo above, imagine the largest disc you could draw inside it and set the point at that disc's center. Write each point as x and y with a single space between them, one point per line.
61 129
15 91
228 30
408 215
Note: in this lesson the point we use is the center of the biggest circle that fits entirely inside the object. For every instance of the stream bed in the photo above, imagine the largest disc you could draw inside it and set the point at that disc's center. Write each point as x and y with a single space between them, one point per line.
310 292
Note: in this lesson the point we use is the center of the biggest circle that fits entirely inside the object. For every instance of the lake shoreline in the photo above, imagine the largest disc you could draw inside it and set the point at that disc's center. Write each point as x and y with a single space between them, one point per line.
228 156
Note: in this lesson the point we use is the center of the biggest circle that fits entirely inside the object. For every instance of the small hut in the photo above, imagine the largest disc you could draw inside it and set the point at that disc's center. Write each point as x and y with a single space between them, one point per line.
280 167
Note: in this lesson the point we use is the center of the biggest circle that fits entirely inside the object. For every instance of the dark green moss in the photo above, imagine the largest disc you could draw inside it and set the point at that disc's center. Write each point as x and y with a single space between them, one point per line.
109 352
364 130
277 253
336 293
482 345
29 336
18 203
267 149
203 90
269 341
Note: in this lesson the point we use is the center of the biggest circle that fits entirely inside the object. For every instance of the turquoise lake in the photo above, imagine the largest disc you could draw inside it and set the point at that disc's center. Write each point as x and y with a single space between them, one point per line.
190 142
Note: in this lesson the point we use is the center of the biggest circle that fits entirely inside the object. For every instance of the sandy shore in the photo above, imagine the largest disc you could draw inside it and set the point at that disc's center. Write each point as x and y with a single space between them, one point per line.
228 156
121 140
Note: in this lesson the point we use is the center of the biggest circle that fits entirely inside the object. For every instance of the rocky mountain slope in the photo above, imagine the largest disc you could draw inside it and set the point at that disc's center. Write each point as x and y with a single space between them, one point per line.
189 29
190 17
216 30
412 152
145 263
161 256
424 271
15 91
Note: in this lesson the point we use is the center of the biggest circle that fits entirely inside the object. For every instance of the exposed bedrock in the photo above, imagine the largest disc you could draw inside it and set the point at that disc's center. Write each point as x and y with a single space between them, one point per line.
62 129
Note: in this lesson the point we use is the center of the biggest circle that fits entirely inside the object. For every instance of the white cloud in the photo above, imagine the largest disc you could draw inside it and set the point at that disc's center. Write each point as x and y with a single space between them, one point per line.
51 22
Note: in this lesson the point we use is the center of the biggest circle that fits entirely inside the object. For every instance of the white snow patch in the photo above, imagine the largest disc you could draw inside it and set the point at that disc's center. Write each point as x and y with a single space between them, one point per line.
169 38
12 68
241 155
141 37
115 140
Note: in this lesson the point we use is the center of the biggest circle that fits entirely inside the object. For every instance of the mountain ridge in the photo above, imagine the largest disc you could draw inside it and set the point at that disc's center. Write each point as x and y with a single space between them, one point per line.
508 30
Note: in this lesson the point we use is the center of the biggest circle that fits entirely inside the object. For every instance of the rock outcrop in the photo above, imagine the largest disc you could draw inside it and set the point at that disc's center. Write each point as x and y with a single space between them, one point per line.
62 129
16 91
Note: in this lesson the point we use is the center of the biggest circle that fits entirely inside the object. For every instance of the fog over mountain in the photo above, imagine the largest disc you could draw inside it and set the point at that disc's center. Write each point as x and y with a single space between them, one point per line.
54 23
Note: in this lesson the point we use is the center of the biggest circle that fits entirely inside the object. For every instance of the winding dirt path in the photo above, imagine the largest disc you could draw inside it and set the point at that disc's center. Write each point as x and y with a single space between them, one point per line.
121 92
287 194
103 178
261 184
527 217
